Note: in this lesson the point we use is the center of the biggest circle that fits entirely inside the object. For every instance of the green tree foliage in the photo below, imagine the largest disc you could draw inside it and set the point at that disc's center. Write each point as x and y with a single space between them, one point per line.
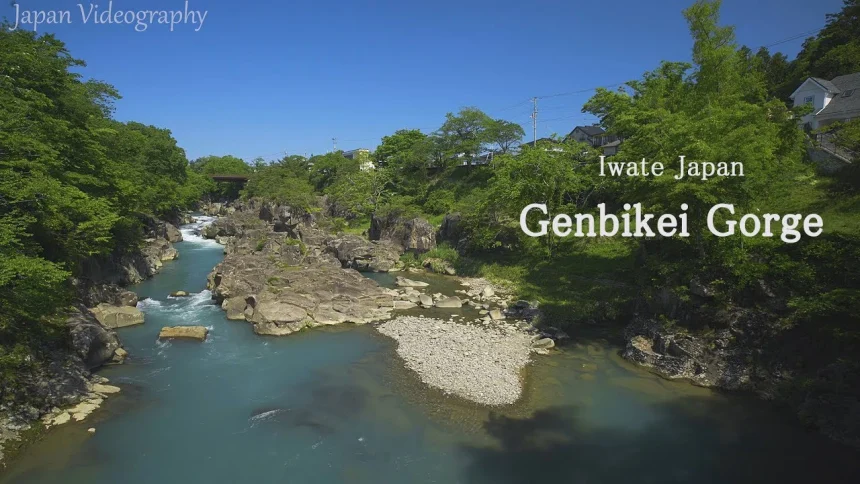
462 135
714 110
325 169
280 183
402 141
834 51
356 194
221 165
73 184
503 135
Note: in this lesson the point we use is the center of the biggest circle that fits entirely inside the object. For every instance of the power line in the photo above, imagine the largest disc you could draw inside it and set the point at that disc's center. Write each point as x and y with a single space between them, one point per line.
533 100
794 37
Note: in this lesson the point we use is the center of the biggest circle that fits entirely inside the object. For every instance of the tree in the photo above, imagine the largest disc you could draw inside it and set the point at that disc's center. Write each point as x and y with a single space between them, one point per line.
279 183
462 135
326 168
222 165
714 110
402 141
504 134
559 179
357 193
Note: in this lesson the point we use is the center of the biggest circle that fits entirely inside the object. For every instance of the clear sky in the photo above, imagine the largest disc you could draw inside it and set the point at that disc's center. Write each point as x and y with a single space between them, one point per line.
263 77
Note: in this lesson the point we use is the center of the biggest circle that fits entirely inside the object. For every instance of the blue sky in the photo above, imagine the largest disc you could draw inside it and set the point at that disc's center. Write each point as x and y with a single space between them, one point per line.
261 78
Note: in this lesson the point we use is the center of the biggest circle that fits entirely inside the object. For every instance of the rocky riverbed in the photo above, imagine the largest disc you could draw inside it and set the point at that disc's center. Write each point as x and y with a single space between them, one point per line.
476 362
284 271
63 387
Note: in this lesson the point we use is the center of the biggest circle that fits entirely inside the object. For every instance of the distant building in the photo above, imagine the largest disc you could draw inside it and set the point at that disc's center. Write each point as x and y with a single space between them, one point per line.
362 155
835 100
611 148
596 137
593 135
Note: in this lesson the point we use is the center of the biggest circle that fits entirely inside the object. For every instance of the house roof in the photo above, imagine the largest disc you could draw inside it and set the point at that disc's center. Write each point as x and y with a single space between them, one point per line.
824 84
614 143
590 130
847 101
828 85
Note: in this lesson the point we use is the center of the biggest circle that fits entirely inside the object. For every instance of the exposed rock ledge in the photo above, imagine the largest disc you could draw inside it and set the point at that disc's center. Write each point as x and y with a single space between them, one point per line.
280 298
479 363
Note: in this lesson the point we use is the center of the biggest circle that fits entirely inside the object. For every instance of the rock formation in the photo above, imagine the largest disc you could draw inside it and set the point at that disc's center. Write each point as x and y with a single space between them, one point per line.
411 234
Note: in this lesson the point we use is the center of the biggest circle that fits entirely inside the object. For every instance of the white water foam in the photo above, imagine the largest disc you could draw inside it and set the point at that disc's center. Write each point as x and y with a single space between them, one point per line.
148 303
193 232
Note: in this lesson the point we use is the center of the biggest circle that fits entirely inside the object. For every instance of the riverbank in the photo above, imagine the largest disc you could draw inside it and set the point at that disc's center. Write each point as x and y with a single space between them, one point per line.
336 404
64 387
477 363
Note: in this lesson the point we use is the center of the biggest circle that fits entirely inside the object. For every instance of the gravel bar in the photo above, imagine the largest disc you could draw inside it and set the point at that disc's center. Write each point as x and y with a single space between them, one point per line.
481 364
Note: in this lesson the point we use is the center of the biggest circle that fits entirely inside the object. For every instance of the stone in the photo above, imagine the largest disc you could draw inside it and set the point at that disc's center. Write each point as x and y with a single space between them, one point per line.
93 343
404 305
82 410
544 343
279 329
277 312
411 234
404 282
91 430
105 389
235 307
360 254
127 298
169 254
61 419
450 302
119 355
425 300
179 294
117 316
184 332
481 364
488 291
496 315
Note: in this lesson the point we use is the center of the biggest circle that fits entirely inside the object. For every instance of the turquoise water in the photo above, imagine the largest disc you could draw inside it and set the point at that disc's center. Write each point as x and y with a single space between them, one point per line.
336 405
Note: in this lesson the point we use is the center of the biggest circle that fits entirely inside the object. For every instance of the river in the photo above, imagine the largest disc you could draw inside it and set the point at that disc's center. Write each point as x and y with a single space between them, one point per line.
336 405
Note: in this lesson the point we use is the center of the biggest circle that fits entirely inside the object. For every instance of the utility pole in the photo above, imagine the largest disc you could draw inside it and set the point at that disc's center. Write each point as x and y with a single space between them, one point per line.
334 144
534 122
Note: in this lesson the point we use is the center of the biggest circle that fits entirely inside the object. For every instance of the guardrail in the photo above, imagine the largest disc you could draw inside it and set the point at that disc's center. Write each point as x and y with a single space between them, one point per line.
825 141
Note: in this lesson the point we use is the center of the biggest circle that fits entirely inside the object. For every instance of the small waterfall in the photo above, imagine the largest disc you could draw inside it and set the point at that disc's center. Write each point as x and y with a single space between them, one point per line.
193 232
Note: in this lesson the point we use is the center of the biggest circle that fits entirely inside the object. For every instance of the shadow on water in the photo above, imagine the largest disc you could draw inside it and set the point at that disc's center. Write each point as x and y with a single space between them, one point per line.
700 445
325 409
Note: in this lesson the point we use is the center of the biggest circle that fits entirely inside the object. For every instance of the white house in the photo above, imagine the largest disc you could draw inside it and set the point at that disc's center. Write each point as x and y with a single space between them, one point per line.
835 100
363 156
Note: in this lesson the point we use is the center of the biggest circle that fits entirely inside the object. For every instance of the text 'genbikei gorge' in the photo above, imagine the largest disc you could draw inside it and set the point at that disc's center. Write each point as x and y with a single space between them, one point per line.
104 14
635 222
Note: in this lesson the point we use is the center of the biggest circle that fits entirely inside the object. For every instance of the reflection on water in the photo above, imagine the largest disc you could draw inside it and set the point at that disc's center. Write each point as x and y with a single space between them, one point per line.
336 405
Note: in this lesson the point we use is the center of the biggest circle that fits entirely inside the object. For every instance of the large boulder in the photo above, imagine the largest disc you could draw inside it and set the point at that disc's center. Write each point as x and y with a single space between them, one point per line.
682 355
95 344
117 316
280 298
184 332
92 294
411 234
453 302
362 255
169 232
235 307
404 282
